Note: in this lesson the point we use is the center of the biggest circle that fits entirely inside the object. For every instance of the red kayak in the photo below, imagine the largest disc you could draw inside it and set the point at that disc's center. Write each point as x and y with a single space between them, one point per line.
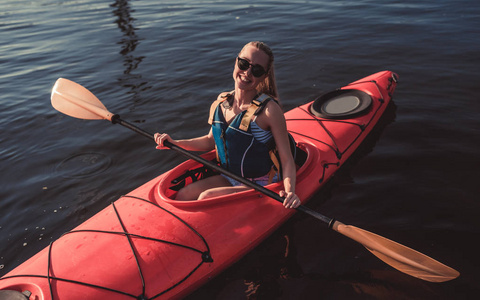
146 245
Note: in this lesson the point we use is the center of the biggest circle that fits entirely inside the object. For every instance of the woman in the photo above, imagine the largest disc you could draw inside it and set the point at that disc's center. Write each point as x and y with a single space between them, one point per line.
253 75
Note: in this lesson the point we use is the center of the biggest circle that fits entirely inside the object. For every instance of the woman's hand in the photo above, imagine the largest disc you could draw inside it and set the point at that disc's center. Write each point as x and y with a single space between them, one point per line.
201 143
161 138
291 199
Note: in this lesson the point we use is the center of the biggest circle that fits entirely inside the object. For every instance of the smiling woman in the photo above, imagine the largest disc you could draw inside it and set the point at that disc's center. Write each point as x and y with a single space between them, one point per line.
268 85
248 125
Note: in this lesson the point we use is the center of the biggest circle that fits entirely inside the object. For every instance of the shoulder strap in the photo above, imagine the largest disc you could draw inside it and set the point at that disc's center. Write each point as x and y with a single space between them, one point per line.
265 100
254 109
220 99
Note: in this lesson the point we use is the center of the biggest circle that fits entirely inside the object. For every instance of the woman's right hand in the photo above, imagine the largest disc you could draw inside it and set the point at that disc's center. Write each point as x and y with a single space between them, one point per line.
160 138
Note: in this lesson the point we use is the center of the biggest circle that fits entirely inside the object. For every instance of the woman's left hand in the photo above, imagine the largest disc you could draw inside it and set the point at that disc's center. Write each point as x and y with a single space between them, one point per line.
291 199
161 138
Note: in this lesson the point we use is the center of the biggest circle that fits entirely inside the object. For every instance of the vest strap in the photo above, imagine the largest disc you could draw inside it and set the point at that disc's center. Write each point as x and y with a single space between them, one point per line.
276 165
220 99
255 107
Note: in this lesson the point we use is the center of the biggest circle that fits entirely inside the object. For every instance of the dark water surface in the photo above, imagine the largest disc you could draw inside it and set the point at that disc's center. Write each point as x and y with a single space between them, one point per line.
161 63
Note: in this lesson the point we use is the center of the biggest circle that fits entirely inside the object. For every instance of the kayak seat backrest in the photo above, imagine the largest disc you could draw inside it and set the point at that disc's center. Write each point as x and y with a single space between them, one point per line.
300 157
192 175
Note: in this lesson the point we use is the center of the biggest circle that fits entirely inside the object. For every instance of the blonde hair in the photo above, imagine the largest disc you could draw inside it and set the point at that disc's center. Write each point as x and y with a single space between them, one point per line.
269 85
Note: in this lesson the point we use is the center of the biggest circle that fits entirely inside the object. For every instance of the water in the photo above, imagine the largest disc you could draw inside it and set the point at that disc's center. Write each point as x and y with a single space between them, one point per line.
161 63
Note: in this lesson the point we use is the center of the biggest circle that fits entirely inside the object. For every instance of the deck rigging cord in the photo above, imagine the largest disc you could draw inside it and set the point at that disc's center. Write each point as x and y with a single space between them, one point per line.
205 256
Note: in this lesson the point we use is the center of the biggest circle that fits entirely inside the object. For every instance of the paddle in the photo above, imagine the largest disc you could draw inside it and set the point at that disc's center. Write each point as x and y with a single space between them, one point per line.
74 100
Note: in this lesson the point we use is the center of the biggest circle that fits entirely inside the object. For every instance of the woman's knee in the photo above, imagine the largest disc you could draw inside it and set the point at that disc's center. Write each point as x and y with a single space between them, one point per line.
210 193
190 192
201 189
206 194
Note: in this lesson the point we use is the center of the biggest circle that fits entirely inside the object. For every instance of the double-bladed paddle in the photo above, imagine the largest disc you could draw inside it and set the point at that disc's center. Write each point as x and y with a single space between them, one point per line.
75 100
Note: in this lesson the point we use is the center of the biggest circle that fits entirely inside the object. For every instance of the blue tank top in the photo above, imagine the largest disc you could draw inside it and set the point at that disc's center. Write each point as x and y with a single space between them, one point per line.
261 135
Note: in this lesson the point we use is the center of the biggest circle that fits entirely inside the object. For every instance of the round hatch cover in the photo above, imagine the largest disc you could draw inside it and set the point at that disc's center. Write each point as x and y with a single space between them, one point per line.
341 104
13 295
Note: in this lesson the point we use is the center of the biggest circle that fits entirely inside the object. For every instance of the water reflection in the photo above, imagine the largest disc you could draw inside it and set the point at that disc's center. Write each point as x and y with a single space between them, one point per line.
129 42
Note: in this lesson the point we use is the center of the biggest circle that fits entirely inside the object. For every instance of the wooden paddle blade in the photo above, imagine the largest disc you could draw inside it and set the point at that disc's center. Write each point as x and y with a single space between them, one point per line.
400 257
76 101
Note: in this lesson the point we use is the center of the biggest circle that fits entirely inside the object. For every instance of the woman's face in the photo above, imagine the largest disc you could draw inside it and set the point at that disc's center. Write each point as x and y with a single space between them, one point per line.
244 79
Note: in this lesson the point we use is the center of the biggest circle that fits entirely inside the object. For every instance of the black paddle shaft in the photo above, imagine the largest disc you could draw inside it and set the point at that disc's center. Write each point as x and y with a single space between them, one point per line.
116 120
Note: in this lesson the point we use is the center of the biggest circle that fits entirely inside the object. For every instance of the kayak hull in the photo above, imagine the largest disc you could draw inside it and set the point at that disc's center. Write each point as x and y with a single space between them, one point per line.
146 244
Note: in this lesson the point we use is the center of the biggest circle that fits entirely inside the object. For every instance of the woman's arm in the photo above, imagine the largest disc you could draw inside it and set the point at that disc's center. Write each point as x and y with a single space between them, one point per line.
202 143
275 122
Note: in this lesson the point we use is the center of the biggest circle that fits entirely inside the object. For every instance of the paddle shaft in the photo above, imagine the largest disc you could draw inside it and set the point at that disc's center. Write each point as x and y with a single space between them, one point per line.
116 120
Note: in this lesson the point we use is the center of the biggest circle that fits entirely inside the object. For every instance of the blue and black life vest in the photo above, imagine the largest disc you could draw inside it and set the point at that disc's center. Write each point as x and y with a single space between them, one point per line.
237 149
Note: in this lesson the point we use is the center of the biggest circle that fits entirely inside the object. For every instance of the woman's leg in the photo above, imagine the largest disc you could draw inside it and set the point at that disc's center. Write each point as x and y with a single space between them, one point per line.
220 191
209 187
193 190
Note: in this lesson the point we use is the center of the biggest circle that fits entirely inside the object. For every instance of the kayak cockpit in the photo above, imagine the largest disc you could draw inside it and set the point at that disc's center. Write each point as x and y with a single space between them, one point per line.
190 171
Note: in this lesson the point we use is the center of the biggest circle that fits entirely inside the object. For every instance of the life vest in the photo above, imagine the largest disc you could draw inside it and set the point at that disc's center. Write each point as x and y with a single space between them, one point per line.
237 149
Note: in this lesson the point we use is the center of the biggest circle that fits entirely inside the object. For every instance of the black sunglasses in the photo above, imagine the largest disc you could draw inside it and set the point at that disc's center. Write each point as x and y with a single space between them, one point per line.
257 70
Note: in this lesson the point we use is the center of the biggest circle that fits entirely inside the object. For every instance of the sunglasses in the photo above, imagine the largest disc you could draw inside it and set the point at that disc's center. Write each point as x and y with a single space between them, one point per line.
257 70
